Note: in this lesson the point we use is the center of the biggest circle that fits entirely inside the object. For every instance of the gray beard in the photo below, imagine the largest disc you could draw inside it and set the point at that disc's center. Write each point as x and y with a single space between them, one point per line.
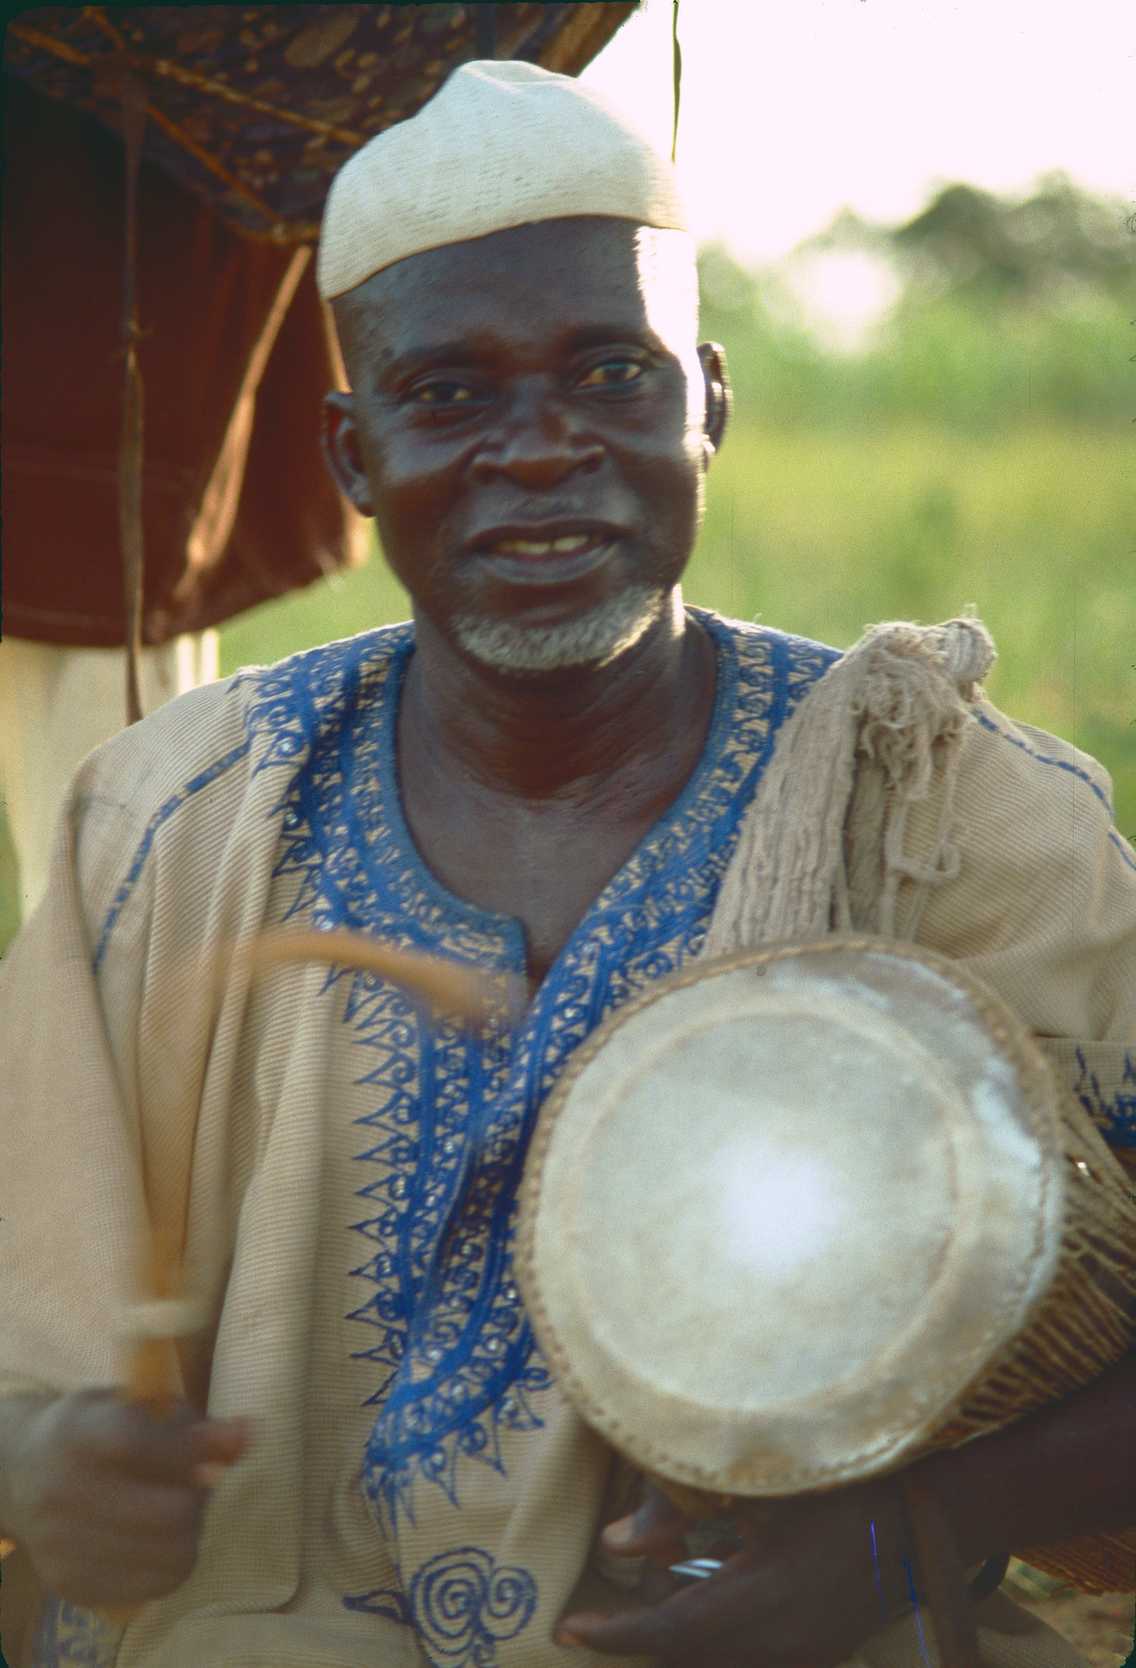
593 640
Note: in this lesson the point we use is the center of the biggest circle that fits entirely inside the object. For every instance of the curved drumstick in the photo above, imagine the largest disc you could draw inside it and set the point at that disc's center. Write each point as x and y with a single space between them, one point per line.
161 1312
448 986
159 1315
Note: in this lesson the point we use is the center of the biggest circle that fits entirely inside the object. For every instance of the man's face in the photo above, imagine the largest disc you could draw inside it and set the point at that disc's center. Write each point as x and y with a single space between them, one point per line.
528 427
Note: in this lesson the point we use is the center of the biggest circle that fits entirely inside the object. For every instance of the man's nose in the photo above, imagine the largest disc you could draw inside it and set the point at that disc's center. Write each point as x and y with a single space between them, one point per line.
539 441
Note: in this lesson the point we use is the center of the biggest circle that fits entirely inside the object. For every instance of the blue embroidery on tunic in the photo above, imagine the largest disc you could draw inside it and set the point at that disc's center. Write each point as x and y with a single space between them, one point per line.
463 1606
69 1637
1116 839
1118 1115
455 1356
381 1601
161 815
460 1605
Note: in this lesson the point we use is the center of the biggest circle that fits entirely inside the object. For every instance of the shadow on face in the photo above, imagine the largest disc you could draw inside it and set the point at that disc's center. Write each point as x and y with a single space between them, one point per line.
546 376
524 284
596 268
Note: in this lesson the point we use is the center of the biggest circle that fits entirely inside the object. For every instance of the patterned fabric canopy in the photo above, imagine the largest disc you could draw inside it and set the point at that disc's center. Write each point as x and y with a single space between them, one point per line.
255 108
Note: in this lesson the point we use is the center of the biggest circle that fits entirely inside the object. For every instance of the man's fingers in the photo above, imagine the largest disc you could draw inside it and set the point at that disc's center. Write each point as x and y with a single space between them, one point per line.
657 1541
682 1626
165 1448
222 1441
136 1441
144 1511
219 1445
626 1633
124 1570
656 1530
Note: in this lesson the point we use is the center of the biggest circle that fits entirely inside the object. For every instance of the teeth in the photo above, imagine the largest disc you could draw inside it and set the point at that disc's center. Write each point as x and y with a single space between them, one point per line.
544 547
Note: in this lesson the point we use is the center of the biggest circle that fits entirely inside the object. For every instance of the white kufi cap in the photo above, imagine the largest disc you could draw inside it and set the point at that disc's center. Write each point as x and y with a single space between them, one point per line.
501 144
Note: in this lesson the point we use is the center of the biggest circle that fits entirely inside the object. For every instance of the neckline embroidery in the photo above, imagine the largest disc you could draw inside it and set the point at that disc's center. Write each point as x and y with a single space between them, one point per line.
456 1362
504 932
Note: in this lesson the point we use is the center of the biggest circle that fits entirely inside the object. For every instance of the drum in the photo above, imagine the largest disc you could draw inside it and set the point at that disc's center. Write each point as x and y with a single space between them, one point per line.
795 1217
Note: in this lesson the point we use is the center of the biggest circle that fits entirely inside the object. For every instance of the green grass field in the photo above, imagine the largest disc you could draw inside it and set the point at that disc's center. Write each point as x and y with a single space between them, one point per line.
822 531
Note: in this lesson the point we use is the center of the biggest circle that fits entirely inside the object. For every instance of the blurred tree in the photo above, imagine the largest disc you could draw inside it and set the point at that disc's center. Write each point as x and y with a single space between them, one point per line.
1008 310
1054 246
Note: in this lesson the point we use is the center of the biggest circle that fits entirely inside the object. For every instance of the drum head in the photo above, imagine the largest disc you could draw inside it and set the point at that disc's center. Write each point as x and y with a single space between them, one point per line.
783 1209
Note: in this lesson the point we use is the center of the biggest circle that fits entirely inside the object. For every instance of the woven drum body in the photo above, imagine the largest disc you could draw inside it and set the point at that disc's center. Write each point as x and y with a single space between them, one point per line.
793 1218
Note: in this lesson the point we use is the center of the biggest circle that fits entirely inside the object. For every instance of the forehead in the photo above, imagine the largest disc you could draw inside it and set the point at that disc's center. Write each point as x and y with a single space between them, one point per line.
555 276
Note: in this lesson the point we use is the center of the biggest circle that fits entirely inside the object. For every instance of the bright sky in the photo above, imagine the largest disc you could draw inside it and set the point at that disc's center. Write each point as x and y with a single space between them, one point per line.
791 108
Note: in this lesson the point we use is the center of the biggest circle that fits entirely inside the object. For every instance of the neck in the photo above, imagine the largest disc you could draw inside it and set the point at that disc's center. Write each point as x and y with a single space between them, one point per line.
575 736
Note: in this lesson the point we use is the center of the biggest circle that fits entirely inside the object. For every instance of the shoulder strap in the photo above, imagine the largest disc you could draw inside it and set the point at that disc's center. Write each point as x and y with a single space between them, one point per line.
897 703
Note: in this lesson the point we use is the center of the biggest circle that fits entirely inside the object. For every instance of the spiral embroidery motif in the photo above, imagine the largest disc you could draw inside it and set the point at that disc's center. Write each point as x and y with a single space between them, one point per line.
463 1606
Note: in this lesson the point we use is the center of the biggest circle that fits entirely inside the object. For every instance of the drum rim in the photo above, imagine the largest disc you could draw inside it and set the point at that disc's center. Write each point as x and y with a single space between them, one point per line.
1039 1098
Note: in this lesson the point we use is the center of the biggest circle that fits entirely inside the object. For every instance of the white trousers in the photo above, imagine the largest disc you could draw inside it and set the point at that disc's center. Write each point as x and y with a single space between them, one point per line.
56 705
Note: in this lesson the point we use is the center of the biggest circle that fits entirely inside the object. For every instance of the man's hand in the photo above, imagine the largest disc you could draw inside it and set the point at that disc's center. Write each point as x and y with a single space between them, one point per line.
107 1499
804 1588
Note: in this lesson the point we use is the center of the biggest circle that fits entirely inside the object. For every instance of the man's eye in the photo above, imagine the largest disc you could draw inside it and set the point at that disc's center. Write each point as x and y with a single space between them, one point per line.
442 393
612 373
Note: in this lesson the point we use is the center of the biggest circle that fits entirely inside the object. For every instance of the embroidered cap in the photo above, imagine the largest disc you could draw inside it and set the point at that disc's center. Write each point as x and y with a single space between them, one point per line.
501 144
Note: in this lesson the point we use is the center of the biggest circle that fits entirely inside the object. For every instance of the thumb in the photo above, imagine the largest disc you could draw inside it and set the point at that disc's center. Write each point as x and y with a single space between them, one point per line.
221 1442
656 1530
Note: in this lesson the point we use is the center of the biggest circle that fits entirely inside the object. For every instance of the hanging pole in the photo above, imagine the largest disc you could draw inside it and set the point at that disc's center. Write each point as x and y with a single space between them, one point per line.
677 56
130 447
486 15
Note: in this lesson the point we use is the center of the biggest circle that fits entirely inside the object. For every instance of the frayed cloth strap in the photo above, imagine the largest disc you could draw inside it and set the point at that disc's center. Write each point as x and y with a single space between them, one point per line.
899 700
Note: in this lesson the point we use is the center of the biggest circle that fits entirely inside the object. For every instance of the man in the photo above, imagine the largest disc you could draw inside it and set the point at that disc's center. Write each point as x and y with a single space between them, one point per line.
545 776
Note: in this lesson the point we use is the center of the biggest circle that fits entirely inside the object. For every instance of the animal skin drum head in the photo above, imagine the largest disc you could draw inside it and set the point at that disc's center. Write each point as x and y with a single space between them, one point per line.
785 1208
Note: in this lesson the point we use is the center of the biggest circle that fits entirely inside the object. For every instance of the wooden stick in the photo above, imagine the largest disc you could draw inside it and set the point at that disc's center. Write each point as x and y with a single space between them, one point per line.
151 1372
449 987
150 1377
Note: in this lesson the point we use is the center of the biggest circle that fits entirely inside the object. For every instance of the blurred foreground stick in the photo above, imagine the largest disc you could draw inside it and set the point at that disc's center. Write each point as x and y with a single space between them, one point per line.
162 1311
451 989
159 1314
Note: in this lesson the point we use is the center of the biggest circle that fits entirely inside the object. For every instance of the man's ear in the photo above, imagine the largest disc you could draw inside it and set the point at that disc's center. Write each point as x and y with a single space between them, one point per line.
719 394
339 437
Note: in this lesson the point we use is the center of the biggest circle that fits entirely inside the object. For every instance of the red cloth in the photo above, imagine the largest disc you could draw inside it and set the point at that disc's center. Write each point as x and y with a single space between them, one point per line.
206 297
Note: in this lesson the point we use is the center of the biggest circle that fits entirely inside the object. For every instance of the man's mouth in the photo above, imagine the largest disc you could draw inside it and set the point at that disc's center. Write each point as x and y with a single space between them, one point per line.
570 545
554 559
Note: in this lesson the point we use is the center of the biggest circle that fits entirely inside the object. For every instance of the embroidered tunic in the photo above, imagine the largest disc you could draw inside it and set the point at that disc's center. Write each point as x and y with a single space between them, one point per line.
418 1491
